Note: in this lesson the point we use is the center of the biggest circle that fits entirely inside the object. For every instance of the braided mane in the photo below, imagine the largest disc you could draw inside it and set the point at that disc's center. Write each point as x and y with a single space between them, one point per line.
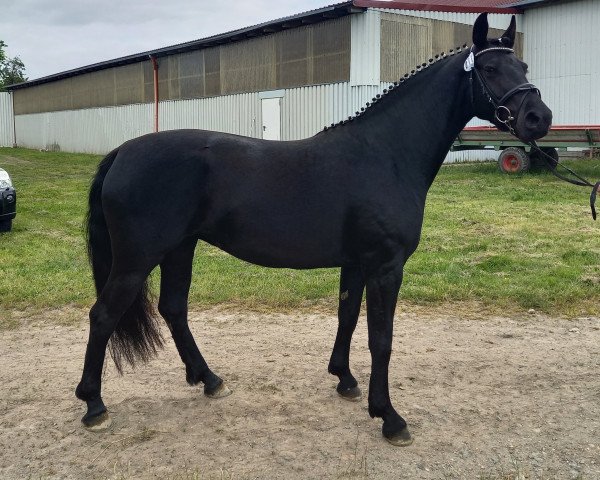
395 85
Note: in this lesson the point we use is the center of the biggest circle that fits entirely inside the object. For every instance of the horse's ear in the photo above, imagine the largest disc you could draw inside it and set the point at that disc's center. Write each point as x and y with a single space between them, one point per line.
508 37
480 31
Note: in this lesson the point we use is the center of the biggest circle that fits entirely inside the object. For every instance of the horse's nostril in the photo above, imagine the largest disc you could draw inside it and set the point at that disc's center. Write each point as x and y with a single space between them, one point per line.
532 119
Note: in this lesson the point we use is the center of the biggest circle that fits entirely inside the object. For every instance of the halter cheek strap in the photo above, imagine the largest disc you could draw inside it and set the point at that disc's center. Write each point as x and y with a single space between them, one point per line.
501 111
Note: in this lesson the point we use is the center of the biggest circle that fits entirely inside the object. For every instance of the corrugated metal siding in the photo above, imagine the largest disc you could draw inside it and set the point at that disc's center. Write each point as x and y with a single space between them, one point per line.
99 130
237 114
94 130
304 112
6 120
365 56
561 51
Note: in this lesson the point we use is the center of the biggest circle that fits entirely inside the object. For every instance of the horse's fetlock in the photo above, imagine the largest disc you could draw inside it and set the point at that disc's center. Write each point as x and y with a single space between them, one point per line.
212 384
380 407
335 369
374 412
393 424
86 392
192 376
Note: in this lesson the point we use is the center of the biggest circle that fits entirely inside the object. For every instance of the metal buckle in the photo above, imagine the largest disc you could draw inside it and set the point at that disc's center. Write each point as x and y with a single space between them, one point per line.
509 116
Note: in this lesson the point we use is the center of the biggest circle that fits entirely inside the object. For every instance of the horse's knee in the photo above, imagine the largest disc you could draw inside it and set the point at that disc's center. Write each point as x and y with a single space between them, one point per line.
380 347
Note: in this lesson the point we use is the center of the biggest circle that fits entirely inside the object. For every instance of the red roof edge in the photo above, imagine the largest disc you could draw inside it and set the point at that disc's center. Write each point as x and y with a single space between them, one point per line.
432 6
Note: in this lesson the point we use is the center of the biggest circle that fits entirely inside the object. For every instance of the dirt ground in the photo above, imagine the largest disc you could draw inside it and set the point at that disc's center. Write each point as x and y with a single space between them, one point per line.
488 398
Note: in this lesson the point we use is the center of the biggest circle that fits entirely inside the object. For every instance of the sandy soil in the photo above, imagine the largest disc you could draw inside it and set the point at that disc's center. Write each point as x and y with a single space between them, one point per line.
485 398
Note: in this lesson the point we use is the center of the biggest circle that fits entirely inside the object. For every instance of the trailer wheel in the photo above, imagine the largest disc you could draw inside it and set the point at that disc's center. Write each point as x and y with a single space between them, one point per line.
513 160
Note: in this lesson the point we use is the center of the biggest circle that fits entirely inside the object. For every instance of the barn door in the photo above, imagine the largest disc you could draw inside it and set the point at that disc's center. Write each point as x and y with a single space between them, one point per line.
271 118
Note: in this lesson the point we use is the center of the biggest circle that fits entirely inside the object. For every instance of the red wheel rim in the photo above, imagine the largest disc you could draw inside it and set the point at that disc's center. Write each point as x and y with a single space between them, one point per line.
511 163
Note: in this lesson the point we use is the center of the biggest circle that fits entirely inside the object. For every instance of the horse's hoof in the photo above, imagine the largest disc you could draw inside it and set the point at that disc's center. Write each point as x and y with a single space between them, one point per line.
402 439
352 394
221 391
99 423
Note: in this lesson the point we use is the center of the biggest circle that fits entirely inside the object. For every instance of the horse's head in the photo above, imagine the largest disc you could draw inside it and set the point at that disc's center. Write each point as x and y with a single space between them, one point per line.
501 92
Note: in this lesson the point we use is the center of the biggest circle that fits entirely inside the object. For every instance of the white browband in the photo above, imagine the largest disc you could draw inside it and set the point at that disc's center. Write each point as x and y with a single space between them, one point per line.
495 49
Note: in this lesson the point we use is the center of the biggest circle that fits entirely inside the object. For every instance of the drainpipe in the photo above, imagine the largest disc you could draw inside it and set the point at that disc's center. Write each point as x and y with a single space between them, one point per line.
155 69
12 100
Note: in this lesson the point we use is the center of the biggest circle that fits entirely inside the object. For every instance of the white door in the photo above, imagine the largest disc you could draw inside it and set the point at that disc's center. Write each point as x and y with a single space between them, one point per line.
271 118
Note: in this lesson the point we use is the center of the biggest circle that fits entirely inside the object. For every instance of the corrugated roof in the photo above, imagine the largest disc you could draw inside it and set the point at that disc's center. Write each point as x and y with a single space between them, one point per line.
336 10
532 3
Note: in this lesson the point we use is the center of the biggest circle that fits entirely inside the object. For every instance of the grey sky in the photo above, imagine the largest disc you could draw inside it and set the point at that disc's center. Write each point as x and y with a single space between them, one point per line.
52 36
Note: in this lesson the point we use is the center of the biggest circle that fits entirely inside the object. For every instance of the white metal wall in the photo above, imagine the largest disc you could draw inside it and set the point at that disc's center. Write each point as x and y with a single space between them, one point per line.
94 130
307 110
304 112
365 56
6 120
238 114
561 49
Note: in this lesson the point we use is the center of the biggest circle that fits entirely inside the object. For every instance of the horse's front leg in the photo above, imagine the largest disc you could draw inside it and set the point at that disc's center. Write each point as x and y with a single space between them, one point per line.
352 285
382 295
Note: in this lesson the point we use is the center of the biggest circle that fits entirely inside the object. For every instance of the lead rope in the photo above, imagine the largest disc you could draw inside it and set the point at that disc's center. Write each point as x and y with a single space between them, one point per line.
552 163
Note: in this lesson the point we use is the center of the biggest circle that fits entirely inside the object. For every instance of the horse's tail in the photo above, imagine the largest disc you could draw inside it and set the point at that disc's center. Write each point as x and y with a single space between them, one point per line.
137 335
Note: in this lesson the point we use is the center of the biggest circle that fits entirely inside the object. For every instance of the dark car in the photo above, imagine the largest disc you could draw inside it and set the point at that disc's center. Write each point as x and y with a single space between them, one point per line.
8 202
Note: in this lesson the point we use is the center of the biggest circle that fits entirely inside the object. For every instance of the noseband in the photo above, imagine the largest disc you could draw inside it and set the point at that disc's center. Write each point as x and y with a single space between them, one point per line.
501 111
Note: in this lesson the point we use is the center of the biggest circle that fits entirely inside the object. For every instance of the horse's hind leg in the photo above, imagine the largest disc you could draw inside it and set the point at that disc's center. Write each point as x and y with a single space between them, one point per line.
352 286
118 294
176 276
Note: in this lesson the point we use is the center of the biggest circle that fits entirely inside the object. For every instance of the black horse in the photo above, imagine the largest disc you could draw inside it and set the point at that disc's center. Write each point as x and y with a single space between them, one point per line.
351 196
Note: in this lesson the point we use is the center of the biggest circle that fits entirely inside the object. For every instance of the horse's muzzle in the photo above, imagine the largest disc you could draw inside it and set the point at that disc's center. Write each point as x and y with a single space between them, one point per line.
534 121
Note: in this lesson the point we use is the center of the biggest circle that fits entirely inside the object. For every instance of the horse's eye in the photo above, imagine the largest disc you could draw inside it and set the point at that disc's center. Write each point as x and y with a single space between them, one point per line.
489 69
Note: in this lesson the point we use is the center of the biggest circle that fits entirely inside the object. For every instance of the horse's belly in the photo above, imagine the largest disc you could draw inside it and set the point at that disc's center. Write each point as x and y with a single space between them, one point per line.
273 241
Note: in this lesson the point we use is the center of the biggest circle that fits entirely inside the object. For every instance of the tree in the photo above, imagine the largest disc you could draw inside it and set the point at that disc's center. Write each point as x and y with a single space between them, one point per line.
12 70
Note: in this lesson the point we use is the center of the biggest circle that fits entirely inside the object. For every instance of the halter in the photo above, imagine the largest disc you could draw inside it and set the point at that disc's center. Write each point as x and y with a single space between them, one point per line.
501 111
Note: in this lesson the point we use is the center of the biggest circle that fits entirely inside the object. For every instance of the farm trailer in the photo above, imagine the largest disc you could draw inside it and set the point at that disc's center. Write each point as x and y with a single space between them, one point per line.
516 156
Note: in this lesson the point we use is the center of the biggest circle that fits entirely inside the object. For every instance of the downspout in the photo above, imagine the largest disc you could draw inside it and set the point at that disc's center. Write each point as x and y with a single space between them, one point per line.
155 69
12 101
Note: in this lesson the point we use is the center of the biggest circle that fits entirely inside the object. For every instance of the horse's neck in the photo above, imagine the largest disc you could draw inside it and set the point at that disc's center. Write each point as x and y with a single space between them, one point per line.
417 122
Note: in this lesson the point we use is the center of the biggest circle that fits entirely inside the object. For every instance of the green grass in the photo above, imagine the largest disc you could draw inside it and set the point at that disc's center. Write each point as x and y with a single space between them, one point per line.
525 241
507 243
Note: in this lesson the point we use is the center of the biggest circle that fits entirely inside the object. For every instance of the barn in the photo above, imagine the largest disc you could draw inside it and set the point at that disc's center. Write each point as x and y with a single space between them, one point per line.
285 79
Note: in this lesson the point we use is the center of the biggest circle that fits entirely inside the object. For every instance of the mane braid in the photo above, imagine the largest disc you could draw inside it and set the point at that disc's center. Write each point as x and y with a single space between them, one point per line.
395 85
